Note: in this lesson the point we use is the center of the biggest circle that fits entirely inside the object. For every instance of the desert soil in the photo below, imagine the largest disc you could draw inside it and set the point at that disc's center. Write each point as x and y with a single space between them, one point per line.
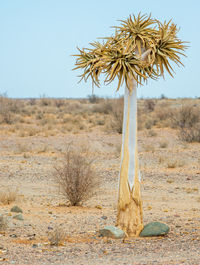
170 190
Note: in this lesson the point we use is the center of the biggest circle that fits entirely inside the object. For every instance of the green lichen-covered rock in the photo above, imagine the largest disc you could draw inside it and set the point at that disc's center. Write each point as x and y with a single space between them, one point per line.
16 209
154 229
112 231
18 217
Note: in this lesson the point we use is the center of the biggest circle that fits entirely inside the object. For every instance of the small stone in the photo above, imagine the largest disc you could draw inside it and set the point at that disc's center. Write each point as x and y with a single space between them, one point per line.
104 217
154 229
18 217
112 231
34 246
13 235
16 209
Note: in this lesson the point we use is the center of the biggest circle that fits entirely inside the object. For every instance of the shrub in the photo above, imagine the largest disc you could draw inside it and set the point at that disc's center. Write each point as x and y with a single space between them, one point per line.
162 96
163 113
148 124
186 116
116 123
190 134
149 105
32 101
44 101
76 177
187 120
8 107
93 98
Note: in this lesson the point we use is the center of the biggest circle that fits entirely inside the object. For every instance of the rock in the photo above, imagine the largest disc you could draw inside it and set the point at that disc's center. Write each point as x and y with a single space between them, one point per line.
34 246
16 209
104 217
154 229
13 235
18 217
112 231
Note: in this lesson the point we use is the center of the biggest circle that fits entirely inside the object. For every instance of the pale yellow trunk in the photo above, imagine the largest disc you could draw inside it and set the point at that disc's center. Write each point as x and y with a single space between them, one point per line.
130 217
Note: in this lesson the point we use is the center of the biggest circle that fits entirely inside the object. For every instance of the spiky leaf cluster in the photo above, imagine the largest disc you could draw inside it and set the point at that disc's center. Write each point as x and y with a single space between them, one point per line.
141 48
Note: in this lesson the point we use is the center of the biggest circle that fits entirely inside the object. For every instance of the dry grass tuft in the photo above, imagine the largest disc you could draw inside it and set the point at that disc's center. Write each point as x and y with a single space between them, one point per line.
8 196
57 236
173 163
3 223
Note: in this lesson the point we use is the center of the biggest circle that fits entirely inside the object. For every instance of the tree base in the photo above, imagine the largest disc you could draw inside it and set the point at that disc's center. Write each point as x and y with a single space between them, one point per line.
130 219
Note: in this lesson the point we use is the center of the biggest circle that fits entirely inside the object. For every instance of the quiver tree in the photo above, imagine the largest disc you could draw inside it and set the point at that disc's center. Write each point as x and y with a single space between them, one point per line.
140 48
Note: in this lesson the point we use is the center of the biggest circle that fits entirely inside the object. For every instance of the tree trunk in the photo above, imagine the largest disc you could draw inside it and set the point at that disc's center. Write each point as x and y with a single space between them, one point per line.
129 217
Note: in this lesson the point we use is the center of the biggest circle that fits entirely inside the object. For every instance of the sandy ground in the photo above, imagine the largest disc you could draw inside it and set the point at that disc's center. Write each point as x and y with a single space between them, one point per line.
171 184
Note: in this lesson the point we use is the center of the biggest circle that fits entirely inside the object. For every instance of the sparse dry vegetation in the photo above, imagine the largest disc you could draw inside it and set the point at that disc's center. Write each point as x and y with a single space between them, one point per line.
8 195
150 105
45 116
3 223
56 236
36 140
117 115
76 177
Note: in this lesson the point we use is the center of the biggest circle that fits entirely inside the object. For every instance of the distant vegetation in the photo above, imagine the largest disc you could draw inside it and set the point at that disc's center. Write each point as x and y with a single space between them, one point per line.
45 116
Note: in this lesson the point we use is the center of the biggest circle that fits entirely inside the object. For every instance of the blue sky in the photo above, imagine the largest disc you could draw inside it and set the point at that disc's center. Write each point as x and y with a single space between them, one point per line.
38 37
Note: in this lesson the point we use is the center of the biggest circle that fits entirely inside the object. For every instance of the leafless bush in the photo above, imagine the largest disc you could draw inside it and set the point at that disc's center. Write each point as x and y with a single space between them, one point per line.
149 105
32 101
187 120
185 117
8 107
76 176
93 98
57 236
44 101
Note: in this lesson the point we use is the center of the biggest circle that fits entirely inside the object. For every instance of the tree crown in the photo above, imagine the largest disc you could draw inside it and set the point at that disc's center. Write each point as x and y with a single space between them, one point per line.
140 48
